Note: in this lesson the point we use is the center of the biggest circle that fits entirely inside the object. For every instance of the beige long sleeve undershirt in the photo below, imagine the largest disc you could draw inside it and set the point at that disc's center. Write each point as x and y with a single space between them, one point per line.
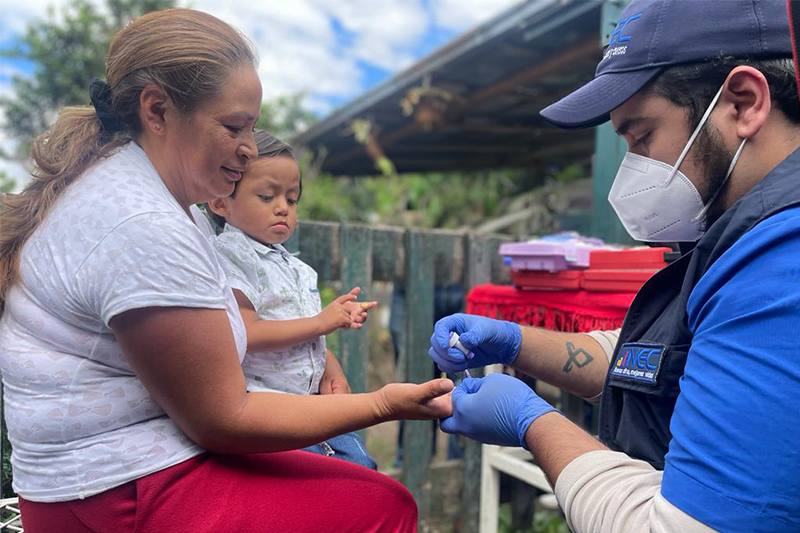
609 492
607 341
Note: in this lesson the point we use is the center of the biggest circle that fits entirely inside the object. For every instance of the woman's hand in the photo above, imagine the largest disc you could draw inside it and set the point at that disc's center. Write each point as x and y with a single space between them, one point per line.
497 409
409 401
333 379
491 341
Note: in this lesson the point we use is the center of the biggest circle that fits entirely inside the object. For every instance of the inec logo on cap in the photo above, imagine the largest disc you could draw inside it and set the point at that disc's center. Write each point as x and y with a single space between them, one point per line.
617 45
639 361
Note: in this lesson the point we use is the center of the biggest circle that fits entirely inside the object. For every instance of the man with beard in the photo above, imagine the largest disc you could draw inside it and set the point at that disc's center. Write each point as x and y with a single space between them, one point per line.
698 425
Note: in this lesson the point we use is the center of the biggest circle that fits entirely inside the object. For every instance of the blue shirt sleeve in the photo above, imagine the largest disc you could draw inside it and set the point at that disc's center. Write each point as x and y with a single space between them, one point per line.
734 459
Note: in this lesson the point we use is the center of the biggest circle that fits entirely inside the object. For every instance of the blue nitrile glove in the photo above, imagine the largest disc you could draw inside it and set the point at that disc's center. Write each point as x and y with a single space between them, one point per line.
497 409
491 341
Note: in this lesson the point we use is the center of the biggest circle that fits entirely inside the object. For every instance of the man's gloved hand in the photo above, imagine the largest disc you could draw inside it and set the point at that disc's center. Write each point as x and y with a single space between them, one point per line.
497 409
491 341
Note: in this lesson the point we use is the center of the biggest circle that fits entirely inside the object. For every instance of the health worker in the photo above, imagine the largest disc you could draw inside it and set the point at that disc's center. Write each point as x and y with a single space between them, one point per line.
699 427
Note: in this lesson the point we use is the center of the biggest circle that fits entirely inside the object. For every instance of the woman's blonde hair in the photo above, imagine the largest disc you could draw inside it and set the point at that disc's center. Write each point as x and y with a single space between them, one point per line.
189 54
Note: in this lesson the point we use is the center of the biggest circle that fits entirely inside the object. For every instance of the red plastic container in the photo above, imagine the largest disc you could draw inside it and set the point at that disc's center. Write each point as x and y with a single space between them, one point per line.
615 280
566 280
631 259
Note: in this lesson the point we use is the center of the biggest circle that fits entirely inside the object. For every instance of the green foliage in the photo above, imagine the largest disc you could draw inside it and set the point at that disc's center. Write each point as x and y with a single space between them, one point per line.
285 116
385 166
124 11
67 51
543 522
425 200
549 523
570 173
5 490
7 184
360 129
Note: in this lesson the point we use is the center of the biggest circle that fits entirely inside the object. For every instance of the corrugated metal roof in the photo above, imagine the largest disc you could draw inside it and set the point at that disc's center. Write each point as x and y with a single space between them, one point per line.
484 92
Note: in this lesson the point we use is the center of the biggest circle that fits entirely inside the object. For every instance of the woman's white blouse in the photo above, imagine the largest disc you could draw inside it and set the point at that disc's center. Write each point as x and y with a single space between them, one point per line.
79 420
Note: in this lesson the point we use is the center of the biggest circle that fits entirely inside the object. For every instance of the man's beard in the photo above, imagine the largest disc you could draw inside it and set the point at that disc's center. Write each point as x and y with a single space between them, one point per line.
715 160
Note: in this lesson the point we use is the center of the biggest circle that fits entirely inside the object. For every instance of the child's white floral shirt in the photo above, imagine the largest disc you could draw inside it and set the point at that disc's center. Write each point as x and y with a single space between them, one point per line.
280 287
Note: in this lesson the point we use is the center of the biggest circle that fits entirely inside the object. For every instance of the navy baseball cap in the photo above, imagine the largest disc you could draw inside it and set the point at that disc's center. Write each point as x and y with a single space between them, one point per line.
652 35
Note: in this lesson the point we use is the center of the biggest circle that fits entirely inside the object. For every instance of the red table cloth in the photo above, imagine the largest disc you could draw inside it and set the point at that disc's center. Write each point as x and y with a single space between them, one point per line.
571 311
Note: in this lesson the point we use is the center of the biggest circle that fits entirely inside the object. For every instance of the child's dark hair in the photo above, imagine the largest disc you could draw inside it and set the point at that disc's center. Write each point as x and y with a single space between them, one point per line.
268 146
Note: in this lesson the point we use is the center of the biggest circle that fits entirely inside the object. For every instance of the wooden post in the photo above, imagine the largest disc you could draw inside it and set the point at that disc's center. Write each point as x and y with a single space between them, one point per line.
356 271
609 150
480 256
417 436
319 246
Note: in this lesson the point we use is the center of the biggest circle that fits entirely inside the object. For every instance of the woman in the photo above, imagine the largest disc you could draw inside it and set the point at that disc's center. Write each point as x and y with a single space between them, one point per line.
122 344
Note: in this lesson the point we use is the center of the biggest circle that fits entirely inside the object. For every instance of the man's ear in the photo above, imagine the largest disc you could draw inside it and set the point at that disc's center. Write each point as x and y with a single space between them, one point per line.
219 206
153 104
748 91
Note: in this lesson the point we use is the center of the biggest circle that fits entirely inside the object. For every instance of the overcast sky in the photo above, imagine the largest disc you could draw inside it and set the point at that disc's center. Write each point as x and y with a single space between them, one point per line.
332 49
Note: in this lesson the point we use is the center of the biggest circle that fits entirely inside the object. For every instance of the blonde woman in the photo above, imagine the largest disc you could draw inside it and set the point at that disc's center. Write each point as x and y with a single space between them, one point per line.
122 342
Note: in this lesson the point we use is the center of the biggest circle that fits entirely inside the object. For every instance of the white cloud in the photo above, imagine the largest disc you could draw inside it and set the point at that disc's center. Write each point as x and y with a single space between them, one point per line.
385 32
318 106
297 43
16 14
461 15
300 51
7 72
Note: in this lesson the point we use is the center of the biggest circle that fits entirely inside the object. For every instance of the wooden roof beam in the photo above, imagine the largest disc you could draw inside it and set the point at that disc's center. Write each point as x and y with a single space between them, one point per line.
585 49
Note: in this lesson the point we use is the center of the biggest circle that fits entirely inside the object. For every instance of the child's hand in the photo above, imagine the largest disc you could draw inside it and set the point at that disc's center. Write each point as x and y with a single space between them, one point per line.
345 312
337 314
333 379
358 310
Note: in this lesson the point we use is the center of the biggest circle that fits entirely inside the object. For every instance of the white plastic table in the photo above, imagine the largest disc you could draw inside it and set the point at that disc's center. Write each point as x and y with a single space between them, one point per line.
516 462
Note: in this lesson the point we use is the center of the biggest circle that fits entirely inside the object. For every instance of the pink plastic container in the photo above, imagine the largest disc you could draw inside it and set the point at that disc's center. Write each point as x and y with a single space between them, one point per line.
548 256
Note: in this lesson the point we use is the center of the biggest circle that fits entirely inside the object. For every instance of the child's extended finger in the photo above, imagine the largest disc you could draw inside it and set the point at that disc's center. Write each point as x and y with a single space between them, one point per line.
355 290
349 297
366 306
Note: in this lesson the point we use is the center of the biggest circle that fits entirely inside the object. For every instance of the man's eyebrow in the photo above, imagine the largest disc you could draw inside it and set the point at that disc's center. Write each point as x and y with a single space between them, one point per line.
627 124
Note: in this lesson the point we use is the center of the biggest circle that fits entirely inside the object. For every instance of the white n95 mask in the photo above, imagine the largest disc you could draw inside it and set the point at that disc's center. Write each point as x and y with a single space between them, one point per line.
656 202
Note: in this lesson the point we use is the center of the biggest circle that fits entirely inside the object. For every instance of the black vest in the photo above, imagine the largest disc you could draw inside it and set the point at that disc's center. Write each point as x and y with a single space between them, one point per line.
637 407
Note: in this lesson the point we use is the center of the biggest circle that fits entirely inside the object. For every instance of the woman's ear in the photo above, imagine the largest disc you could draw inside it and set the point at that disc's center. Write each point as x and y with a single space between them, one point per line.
153 103
748 91
219 206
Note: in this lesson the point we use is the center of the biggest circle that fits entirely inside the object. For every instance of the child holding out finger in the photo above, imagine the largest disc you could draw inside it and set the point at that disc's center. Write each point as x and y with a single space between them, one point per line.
277 293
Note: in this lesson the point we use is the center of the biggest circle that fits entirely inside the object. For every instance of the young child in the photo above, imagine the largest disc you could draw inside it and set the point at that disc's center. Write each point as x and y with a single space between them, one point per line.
277 293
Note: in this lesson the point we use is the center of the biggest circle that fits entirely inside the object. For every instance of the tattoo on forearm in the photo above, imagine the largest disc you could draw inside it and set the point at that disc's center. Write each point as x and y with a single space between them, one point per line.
576 357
